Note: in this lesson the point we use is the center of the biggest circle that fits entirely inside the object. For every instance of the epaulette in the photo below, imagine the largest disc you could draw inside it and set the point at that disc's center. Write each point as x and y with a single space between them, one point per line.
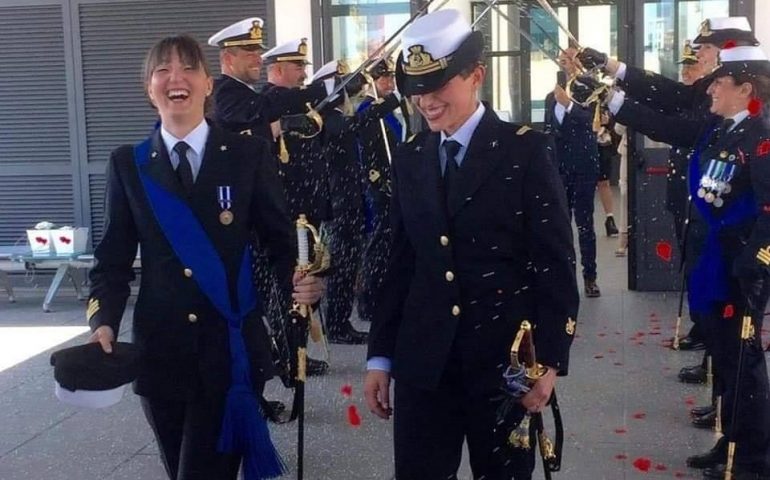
524 129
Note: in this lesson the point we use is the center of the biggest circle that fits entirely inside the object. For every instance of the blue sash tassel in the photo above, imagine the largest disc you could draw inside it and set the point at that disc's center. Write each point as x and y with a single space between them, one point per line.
244 430
708 282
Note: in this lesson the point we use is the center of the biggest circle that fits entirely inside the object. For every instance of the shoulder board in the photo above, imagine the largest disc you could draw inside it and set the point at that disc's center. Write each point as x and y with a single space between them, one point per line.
412 137
524 129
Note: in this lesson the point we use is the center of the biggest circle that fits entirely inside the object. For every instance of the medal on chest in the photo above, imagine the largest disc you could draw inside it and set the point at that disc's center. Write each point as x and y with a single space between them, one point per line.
715 181
224 197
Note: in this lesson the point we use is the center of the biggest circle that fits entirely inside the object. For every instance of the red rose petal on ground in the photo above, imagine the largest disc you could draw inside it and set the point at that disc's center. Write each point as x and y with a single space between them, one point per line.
639 415
600 335
618 364
689 400
354 419
620 431
729 311
598 356
621 456
611 350
660 467
346 390
680 474
642 464
664 251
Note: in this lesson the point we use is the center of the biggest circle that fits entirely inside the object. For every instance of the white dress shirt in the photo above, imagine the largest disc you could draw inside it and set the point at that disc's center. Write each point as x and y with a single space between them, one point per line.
196 139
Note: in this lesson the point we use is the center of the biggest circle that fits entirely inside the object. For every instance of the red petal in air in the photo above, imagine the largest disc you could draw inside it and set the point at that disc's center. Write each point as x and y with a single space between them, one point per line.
663 250
354 419
729 311
346 390
642 464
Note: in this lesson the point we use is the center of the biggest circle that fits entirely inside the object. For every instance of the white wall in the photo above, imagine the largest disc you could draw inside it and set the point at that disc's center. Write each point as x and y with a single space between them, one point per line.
762 21
292 20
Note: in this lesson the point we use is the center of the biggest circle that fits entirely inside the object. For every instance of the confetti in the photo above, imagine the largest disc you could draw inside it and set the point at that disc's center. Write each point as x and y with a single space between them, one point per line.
621 456
642 464
640 415
620 431
346 390
354 419
664 251
660 467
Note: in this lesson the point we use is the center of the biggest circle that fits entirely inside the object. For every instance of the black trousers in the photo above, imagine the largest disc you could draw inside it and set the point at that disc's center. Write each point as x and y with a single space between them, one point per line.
430 427
345 244
750 428
187 433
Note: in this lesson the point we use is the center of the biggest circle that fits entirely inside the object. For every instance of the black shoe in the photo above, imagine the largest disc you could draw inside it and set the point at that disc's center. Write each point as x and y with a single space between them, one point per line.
696 375
713 458
610 227
700 411
689 343
274 411
348 336
316 368
591 289
691 369
705 421
718 473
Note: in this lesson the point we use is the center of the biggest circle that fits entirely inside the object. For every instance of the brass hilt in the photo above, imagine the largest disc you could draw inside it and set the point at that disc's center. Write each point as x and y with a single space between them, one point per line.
321 258
547 450
316 118
524 339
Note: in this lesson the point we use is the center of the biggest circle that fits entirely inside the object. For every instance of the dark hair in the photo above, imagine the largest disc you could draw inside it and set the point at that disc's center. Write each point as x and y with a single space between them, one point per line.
188 49
760 84
468 69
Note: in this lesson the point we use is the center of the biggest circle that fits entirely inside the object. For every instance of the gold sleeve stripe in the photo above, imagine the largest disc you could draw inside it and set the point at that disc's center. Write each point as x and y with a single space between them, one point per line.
93 307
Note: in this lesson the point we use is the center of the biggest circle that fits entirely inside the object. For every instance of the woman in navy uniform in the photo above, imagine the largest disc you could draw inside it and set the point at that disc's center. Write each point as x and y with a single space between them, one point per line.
191 196
481 241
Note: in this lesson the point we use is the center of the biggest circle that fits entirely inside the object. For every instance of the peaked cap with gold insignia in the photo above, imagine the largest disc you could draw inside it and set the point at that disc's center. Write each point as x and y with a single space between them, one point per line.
246 34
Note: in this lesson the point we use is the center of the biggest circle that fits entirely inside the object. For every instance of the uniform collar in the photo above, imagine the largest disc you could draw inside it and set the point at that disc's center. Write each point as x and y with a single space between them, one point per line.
251 87
465 132
196 139
738 118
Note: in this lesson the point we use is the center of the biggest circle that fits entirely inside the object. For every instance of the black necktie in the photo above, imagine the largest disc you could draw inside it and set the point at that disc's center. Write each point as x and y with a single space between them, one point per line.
184 169
451 148
723 129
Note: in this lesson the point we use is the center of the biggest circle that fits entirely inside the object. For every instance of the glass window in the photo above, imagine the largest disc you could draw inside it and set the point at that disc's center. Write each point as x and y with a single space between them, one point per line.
359 27
546 32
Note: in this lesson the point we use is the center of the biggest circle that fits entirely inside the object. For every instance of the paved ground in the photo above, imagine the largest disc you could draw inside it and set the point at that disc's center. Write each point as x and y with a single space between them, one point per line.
621 402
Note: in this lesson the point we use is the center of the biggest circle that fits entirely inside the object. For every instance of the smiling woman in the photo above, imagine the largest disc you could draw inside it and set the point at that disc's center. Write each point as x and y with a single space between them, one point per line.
178 82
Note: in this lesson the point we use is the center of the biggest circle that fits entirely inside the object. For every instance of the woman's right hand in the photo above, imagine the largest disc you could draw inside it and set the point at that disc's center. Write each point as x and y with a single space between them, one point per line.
104 335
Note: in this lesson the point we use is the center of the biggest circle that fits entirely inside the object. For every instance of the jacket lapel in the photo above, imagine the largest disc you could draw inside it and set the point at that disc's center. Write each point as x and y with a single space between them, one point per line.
480 161
159 167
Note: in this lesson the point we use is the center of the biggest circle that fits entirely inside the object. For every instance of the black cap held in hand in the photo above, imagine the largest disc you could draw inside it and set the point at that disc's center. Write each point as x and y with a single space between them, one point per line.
88 367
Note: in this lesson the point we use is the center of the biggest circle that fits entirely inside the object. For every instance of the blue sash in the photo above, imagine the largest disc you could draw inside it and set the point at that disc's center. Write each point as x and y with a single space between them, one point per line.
708 282
244 430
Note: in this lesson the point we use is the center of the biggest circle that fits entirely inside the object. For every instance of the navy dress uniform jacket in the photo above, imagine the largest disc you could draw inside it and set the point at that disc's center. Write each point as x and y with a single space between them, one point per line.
464 273
184 337
577 150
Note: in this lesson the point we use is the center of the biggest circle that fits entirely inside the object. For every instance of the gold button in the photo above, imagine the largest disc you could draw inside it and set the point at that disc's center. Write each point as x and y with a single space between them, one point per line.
192 318
444 240
187 272
456 311
449 276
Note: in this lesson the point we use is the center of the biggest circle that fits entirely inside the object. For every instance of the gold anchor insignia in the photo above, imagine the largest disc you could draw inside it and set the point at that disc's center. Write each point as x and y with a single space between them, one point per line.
763 255
570 328
255 32
93 307
302 47
420 62
374 175
705 28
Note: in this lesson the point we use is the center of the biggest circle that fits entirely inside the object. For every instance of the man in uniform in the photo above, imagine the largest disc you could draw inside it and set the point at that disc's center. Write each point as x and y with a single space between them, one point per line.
340 147
577 154
377 143
481 241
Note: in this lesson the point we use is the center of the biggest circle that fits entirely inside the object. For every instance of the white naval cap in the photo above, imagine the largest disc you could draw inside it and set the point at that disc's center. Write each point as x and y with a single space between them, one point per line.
719 30
742 61
335 67
291 51
245 33
435 48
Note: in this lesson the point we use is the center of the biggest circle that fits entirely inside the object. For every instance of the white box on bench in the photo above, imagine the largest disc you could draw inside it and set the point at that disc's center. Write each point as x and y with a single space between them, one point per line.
40 242
70 241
